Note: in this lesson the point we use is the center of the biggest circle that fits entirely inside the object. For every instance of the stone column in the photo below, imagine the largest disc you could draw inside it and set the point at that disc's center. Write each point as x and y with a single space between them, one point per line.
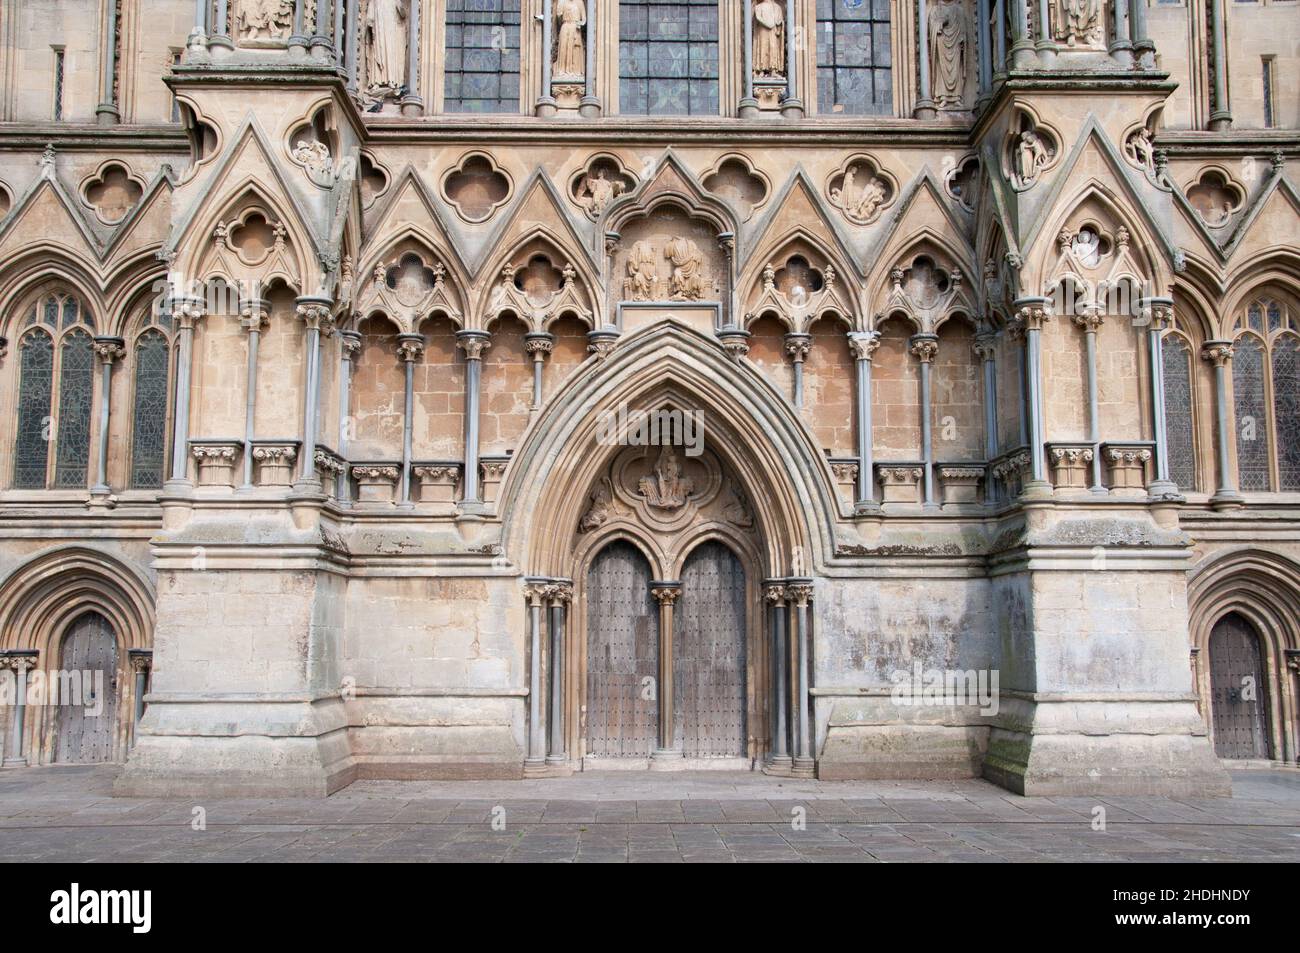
1032 312
351 346
863 344
985 66
545 106
999 36
253 318
924 347
560 594
15 752
108 350
1121 46
666 594
1221 115
322 46
220 37
351 42
924 108
1219 353
589 106
538 344
779 706
298 39
1144 48
412 104
798 346
141 663
1022 46
799 593
985 348
792 105
748 105
535 593
1159 315
409 349
186 312
473 343
107 113
1090 320
315 312
1045 45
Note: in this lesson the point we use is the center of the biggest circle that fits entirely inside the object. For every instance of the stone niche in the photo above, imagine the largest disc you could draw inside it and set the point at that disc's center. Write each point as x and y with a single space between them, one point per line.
668 257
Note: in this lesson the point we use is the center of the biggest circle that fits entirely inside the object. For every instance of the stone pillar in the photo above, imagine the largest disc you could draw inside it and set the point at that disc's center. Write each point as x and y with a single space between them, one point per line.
107 112
220 38
351 346
1032 312
351 42
863 344
473 343
535 593
748 106
984 65
1144 48
1221 115
791 105
141 663
1159 315
560 594
298 40
666 594
779 756
1121 45
322 46
1219 353
315 312
15 751
545 106
254 319
1045 45
108 350
538 344
409 349
1022 46
798 346
985 348
412 103
924 108
1090 320
924 347
799 593
999 37
186 312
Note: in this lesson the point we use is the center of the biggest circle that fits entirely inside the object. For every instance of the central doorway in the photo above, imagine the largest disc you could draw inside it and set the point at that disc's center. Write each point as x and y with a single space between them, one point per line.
709 655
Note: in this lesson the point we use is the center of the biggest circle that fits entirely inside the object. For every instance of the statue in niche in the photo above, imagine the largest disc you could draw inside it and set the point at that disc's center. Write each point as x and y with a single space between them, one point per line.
385 35
1030 157
642 282
598 190
1079 22
1141 149
688 280
570 53
665 488
264 19
769 38
948 31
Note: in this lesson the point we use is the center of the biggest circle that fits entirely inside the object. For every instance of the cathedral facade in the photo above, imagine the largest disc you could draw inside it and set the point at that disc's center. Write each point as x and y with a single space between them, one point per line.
503 388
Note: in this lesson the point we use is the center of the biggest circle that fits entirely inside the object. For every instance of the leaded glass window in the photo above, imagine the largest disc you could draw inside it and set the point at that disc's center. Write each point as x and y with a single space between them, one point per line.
1178 412
481 70
854 58
149 410
76 391
1286 409
36 381
1252 413
668 57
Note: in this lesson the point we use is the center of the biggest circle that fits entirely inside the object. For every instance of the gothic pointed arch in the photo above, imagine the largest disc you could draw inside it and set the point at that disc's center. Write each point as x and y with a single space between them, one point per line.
540 277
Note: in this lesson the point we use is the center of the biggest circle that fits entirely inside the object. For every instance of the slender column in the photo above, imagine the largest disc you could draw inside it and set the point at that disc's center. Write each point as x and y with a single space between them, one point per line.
863 344
666 593
351 41
747 108
545 105
1121 46
220 37
924 348
535 593
799 593
351 346
109 349
1022 46
340 18
999 36
201 17
1144 48
473 343
1221 115
589 106
298 40
141 663
1045 45
560 593
321 44
1219 353
779 755
538 344
1159 314
792 105
1090 320
253 318
315 312
985 348
1032 313
412 104
409 348
982 44
107 113
924 108
186 312
798 346
15 753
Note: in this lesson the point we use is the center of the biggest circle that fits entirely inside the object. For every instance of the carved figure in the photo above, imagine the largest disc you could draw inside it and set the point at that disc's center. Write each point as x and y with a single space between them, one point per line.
642 282
1030 157
385 27
665 488
1079 21
948 31
769 38
688 280
264 19
570 53
1141 149
599 190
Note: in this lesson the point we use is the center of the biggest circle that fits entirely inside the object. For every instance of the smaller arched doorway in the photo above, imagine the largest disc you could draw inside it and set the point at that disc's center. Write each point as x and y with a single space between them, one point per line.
1238 690
87 686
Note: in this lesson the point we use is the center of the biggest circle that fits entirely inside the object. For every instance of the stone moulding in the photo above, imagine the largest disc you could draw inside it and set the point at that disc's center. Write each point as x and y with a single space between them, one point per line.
274 461
960 482
215 461
437 481
376 482
1127 465
900 482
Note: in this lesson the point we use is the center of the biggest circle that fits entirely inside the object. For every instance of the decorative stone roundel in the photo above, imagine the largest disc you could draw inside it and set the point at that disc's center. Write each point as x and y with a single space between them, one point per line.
6 201
112 192
861 190
961 181
252 236
1215 197
734 180
603 179
476 188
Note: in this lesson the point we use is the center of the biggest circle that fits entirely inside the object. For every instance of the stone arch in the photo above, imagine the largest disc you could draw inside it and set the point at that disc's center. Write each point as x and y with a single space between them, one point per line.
204 254
889 289
839 297
446 295
1263 588
575 296
42 273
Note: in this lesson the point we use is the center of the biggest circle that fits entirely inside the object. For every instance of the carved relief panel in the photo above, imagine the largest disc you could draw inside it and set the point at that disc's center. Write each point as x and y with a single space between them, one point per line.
668 256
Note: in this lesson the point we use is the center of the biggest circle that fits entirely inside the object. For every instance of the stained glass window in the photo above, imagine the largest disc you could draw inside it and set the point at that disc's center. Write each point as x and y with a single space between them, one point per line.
1252 414
1178 412
36 379
76 391
149 411
854 58
668 57
1286 409
482 57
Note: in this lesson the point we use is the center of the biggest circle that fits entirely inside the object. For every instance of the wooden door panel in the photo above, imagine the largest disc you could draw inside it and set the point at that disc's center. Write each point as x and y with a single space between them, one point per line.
622 714
1237 688
709 655
85 735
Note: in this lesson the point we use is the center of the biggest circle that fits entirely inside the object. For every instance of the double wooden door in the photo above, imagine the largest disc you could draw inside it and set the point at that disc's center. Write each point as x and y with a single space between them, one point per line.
623 648
1238 699
87 721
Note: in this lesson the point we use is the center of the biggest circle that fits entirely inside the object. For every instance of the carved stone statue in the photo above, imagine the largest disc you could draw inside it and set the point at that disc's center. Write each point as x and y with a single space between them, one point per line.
385 27
948 31
598 190
688 280
665 488
859 204
1079 22
570 54
642 282
769 38
264 19
1141 149
1030 157
600 508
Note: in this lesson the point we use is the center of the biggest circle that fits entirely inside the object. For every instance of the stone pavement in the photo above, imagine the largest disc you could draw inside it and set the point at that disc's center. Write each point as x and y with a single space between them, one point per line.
68 814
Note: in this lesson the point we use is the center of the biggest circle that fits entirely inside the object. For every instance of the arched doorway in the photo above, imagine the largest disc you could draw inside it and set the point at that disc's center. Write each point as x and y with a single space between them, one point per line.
709 654
87 683
1239 703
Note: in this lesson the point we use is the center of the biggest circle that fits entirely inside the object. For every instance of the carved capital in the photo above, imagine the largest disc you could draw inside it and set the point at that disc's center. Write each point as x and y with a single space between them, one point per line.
924 347
1218 353
800 594
254 315
1157 313
985 345
1091 319
798 346
539 344
1033 314
188 312
317 314
109 349
141 661
350 343
375 473
665 593
863 344
559 592
774 593
410 347
473 343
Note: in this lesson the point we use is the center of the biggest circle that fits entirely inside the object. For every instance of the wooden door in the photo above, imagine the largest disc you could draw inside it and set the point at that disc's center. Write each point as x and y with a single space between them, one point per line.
87 721
622 714
1239 702
709 655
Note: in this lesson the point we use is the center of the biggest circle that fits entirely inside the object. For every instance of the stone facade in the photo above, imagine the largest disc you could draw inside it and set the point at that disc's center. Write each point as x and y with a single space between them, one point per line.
323 353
